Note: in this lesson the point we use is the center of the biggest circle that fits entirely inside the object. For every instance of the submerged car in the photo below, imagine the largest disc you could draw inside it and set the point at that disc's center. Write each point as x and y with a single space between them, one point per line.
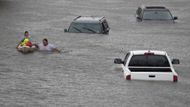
148 65
158 13
89 24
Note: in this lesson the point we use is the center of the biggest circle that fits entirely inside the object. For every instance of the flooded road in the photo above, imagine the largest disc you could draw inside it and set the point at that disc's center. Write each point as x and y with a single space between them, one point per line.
85 75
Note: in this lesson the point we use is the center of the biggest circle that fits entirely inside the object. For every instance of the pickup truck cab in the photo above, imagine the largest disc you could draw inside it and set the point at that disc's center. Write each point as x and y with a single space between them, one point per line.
148 65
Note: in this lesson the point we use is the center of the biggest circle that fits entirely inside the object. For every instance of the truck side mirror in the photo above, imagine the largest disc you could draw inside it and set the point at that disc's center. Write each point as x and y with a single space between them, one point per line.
175 17
118 61
175 61
65 30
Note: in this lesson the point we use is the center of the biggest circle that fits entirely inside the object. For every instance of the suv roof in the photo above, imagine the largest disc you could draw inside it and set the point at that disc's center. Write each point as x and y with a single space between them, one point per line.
140 52
91 19
154 7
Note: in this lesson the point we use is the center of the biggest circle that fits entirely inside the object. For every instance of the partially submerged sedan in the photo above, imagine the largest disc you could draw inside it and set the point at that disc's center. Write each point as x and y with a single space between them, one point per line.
148 65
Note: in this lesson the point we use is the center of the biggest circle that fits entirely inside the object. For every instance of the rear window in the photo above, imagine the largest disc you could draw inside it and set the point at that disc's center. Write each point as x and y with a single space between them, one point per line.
149 61
85 27
157 15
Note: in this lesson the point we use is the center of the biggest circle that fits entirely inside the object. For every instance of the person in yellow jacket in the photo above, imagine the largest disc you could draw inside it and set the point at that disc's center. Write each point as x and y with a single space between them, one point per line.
26 40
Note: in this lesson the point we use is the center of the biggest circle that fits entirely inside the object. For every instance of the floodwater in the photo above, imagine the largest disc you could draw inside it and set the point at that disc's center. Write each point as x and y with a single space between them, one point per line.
84 75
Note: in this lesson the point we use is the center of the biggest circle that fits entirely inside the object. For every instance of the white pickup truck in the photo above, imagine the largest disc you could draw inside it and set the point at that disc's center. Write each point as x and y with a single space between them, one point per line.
148 65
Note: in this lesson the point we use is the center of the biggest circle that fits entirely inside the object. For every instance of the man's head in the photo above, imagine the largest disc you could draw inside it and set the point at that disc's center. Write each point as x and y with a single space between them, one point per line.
45 41
26 34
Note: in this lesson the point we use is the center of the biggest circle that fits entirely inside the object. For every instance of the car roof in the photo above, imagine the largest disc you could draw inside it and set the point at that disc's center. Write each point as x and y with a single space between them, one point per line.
153 7
88 19
142 52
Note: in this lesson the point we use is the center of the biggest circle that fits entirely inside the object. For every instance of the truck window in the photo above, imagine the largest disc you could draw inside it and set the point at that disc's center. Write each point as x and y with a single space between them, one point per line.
149 61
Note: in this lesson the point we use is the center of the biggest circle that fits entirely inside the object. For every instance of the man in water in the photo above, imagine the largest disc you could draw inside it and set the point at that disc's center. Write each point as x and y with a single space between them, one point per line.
45 46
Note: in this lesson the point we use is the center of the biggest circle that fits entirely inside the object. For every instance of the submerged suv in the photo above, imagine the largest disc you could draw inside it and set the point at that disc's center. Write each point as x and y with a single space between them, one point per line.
89 24
158 13
148 65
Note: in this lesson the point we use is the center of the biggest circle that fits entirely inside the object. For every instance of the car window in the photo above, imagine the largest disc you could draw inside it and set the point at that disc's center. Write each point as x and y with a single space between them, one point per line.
85 27
157 15
149 61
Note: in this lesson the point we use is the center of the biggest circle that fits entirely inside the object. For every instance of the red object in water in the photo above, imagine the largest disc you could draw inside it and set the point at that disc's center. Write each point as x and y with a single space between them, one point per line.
29 44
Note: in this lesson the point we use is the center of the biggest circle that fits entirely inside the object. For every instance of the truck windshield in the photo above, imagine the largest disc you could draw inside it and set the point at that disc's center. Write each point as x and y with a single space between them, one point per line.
149 61
85 28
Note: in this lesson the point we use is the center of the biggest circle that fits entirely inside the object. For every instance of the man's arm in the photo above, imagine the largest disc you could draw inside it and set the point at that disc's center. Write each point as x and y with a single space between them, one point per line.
56 50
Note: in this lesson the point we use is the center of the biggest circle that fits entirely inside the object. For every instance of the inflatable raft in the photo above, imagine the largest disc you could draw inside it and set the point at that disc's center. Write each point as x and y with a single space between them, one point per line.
26 49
